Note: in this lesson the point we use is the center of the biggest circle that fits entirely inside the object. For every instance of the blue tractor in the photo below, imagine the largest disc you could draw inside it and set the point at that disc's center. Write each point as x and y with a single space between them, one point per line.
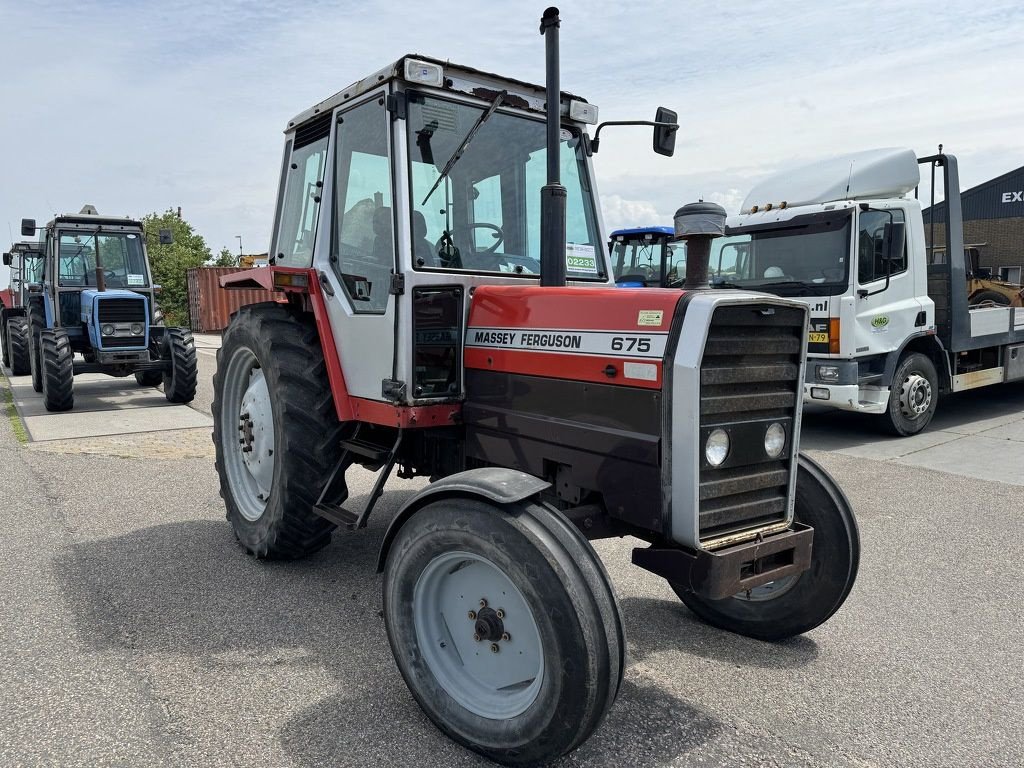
643 257
96 299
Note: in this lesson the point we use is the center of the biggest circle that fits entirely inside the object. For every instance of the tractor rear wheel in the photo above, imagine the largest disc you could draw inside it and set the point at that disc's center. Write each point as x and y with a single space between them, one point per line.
275 430
180 380
798 603
57 365
505 627
17 346
36 324
5 354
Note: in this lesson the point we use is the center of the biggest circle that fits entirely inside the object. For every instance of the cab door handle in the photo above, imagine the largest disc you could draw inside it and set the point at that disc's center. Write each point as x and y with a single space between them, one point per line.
325 284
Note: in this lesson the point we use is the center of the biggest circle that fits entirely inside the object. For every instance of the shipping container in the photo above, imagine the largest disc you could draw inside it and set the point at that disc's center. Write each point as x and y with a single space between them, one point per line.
209 305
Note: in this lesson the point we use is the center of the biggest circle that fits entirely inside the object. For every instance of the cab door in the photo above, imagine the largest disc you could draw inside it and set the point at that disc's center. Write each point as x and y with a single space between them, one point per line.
356 254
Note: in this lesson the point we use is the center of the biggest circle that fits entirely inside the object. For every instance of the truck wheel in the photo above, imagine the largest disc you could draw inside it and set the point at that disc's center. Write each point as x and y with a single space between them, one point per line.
57 365
799 603
180 381
36 324
914 396
505 627
275 430
17 344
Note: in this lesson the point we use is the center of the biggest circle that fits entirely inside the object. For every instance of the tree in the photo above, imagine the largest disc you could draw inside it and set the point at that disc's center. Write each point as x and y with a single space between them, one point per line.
170 263
225 259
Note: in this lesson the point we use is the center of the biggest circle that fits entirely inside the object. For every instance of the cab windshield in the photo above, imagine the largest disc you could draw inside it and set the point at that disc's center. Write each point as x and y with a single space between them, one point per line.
638 259
484 216
808 255
121 256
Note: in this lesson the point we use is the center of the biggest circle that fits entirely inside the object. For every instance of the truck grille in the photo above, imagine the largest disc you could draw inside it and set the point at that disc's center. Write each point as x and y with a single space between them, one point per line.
749 379
122 311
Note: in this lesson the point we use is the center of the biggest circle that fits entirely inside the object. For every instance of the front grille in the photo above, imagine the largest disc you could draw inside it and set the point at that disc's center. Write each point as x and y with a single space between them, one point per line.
123 342
749 379
122 311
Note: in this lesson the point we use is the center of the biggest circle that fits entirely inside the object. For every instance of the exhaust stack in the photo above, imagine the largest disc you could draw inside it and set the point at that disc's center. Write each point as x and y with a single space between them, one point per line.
553 195
698 224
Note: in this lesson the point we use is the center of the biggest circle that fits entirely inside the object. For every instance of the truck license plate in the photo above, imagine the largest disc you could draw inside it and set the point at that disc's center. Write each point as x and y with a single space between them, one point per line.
815 337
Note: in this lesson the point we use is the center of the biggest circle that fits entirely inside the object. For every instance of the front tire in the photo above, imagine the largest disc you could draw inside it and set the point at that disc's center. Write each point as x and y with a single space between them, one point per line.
17 346
800 603
914 396
179 349
36 323
57 365
149 378
271 395
551 650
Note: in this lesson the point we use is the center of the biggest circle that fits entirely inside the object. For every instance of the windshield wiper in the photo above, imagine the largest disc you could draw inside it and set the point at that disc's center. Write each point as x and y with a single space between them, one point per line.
457 154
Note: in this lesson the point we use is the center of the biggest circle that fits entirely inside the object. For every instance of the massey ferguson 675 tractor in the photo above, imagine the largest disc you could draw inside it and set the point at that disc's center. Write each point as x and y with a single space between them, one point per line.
447 308
96 298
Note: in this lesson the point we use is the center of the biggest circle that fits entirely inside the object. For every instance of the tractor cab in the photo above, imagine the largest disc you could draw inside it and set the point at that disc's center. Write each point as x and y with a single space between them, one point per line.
647 256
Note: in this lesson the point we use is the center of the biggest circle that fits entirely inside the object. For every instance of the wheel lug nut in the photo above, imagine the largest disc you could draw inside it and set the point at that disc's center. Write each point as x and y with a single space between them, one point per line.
472 615
500 613
483 603
477 638
494 648
506 636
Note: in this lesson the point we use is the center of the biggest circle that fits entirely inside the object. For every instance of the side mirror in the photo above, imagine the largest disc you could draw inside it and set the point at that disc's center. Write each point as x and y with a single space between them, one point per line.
166 237
7 259
665 129
28 227
895 240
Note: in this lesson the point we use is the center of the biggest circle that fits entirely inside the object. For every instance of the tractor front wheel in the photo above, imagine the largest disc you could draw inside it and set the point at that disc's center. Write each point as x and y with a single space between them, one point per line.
796 604
505 627
149 378
36 325
179 349
17 346
57 365
275 431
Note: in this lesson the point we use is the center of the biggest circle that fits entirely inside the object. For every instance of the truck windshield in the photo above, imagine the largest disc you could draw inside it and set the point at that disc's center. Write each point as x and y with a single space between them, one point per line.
124 264
485 215
807 255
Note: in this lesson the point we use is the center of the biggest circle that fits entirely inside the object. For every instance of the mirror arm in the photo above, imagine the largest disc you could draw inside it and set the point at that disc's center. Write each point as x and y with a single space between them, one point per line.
595 142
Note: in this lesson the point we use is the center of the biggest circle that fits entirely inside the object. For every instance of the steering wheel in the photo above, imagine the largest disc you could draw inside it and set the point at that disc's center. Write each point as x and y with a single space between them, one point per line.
498 240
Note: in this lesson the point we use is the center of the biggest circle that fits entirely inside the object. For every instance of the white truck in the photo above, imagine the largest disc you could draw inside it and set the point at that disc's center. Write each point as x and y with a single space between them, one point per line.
893 322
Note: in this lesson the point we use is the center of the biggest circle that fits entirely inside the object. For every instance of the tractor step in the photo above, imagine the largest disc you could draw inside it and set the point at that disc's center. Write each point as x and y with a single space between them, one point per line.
335 492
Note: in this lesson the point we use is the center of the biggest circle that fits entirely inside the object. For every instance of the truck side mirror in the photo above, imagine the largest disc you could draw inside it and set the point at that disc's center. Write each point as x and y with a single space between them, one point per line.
28 227
166 237
895 240
665 131
7 259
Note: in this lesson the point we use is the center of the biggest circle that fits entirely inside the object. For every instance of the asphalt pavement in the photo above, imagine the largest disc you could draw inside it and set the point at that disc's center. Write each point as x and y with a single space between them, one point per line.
134 630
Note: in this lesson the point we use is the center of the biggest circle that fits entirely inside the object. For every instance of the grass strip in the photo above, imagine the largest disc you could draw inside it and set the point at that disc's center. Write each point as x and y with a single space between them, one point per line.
7 398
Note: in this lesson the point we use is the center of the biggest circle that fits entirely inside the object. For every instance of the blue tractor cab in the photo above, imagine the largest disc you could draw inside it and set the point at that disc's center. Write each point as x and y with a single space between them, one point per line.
643 257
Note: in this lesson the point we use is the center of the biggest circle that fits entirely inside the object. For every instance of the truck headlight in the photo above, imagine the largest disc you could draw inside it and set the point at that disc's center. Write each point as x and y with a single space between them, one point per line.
716 449
774 440
137 329
107 330
828 373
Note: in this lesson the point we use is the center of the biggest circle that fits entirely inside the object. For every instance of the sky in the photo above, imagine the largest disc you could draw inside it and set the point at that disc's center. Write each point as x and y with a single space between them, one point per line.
137 106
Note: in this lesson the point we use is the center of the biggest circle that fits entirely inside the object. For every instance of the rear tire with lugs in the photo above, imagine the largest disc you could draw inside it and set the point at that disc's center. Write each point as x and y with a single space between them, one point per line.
179 348
58 372
17 346
272 397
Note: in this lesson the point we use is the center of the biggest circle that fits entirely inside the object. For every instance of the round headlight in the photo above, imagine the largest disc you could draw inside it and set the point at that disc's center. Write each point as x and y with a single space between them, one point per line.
717 447
137 329
107 330
774 440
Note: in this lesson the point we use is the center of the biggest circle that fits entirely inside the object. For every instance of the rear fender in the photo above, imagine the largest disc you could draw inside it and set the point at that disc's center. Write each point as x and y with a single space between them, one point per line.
498 485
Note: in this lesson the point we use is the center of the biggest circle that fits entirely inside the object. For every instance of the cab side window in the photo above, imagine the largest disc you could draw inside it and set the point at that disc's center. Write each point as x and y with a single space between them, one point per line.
871 239
363 247
304 181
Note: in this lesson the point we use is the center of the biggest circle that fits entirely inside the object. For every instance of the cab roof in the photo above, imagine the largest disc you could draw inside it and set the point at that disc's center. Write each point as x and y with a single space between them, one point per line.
644 231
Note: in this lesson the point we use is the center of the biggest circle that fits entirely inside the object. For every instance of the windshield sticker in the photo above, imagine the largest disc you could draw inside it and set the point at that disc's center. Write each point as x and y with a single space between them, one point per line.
136 279
580 258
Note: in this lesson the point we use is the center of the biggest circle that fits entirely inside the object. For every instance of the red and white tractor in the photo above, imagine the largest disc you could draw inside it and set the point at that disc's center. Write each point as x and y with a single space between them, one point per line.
447 309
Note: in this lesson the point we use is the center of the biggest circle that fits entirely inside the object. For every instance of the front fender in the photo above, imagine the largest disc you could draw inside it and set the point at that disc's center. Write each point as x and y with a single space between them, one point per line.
496 484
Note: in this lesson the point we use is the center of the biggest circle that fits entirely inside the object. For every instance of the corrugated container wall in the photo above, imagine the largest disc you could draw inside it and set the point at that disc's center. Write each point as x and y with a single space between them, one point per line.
209 305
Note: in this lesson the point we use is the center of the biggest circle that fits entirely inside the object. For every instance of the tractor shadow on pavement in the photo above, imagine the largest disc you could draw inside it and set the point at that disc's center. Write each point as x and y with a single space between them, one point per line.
187 588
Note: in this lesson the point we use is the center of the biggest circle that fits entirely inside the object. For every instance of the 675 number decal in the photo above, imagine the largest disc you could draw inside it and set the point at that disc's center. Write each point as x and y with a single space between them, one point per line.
631 344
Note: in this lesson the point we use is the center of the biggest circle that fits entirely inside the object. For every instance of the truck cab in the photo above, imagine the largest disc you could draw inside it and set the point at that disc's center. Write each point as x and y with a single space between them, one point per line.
892 326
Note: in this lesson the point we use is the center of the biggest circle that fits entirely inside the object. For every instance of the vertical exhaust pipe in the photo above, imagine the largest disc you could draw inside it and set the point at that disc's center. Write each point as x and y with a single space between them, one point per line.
698 224
552 195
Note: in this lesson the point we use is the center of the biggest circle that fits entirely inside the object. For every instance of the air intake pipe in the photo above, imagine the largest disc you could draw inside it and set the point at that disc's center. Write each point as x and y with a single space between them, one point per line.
552 195
697 224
